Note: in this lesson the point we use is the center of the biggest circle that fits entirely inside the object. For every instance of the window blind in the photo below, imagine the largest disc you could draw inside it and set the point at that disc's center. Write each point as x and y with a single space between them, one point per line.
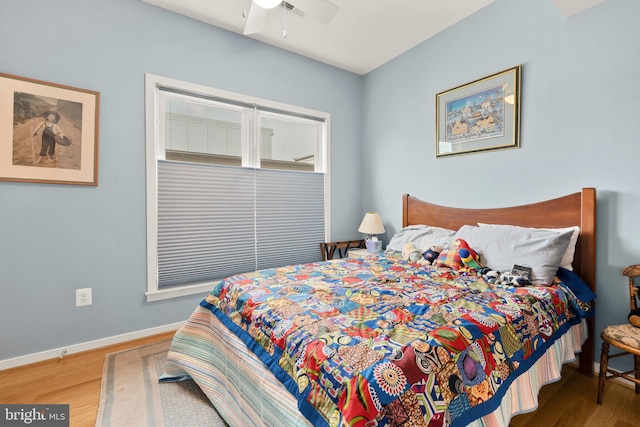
215 221
289 217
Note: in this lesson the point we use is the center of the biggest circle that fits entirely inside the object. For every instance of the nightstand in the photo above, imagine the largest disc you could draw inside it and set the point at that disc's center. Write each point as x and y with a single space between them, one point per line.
329 249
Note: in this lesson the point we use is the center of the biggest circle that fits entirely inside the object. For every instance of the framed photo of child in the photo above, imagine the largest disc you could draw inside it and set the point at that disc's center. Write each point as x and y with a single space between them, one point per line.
48 132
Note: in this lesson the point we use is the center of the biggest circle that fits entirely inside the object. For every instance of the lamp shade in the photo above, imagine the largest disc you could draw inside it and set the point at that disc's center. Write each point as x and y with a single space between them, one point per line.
371 224
267 4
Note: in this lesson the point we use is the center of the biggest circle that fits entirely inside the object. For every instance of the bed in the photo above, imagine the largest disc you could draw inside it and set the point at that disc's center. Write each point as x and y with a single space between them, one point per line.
381 340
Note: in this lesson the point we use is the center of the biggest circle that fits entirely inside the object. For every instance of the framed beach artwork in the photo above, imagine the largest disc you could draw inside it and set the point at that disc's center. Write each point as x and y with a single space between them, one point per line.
48 132
479 116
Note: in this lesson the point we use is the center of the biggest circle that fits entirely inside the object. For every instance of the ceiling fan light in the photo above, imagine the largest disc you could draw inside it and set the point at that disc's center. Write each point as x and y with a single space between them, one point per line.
267 4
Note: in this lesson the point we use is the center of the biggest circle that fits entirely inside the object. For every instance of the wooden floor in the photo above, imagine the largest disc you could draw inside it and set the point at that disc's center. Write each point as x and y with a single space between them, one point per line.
75 380
571 402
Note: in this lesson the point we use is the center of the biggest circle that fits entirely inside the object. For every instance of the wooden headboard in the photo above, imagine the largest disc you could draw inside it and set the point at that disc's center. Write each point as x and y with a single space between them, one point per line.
574 209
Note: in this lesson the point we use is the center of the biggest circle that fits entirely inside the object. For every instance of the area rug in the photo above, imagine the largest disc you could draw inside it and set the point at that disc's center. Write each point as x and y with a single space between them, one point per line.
131 395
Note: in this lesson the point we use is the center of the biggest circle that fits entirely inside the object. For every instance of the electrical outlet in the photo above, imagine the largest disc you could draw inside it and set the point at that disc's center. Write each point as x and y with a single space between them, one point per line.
83 297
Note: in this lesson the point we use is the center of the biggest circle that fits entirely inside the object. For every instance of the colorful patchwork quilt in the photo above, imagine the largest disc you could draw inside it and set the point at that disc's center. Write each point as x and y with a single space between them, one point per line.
380 341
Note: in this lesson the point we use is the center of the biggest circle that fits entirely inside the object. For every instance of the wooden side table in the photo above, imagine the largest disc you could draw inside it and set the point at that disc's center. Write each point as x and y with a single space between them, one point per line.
329 249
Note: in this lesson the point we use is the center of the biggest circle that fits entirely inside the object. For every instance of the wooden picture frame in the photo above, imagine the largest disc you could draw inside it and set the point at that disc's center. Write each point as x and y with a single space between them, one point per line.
48 132
479 116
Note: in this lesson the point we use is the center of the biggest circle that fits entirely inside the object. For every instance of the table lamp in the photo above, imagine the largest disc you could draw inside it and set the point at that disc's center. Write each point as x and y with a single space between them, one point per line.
371 225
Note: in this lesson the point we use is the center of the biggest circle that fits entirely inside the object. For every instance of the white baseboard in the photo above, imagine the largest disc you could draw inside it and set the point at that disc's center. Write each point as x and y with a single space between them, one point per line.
89 345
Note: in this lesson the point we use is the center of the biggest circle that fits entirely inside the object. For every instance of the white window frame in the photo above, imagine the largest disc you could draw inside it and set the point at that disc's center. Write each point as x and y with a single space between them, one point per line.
155 150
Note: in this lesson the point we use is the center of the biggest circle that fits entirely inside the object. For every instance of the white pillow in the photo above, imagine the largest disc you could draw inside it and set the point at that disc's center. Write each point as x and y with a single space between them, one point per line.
501 248
567 258
423 236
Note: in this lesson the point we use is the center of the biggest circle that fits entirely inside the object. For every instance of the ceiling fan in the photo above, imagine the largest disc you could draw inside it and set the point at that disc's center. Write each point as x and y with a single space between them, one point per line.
321 10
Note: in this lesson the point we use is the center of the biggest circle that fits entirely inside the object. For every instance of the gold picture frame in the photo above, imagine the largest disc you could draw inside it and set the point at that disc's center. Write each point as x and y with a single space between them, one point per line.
479 116
48 132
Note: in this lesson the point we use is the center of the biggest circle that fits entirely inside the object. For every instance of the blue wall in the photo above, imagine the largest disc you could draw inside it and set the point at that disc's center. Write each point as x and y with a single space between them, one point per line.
579 114
56 238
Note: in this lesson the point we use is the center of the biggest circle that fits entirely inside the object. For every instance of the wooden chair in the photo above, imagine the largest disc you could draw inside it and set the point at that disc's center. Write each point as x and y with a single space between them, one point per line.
329 249
625 337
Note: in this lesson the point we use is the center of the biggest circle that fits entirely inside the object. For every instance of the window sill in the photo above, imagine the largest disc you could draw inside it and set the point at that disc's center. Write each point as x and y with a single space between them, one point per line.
180 291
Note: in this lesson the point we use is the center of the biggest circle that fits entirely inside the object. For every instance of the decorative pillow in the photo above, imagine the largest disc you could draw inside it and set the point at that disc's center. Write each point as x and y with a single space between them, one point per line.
567 257
501 248
423 236
449 258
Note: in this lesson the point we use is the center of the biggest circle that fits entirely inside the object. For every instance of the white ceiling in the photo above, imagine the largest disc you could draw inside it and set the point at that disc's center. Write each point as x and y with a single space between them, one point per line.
363 35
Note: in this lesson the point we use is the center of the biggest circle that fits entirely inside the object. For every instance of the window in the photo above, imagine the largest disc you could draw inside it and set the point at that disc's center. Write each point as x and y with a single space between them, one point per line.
234 184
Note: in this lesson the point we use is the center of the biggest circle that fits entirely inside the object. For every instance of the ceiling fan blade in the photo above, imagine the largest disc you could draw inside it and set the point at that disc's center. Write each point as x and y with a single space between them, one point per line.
256 19
321 10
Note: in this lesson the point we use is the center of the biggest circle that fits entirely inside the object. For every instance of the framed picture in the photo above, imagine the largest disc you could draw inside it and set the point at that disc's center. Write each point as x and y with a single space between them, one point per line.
48 132
479 116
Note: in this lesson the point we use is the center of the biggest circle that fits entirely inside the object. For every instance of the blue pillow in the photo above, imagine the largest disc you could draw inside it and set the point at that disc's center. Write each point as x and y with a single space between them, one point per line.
580 290
576 284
